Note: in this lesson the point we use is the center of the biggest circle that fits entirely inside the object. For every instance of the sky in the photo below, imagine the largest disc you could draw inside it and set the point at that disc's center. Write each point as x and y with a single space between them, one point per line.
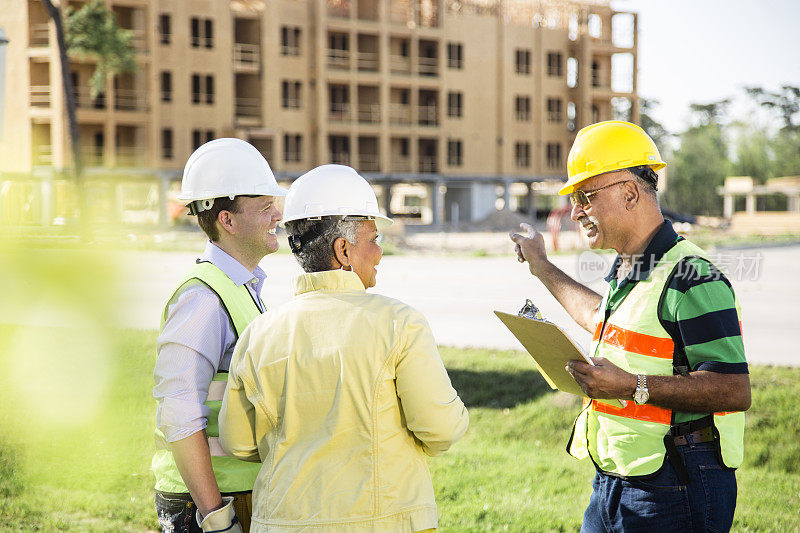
701 51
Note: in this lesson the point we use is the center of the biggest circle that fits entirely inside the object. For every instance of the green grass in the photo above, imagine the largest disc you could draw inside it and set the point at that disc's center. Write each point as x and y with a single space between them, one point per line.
88 471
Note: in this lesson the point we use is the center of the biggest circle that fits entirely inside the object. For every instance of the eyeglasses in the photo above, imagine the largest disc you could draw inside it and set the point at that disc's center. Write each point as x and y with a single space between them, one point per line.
581 198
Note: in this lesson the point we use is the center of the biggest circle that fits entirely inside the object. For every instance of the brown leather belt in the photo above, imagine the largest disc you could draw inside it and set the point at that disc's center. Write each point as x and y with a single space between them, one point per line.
701 435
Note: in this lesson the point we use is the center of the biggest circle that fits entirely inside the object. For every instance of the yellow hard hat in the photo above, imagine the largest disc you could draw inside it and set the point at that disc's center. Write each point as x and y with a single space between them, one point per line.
608 146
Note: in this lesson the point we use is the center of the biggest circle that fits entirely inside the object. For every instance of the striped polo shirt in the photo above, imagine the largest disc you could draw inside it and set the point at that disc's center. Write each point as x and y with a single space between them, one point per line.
698 310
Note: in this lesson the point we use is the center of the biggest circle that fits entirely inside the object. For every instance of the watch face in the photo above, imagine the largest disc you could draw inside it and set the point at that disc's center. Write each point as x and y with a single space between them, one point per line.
641 396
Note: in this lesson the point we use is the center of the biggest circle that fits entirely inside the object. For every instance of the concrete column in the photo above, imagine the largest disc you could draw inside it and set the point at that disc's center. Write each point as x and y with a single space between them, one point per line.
436 202
506 195
793 203
750 204
531 201
727 206
387 199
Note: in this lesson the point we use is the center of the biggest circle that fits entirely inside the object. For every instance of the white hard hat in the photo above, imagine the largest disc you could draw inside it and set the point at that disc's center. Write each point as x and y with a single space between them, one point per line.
332 190
226 167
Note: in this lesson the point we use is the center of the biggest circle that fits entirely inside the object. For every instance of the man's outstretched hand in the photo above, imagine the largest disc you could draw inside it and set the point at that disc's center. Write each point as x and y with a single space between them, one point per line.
529 246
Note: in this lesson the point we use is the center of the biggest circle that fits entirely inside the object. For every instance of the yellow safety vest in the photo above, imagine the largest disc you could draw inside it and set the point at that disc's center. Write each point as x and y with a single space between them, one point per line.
232 474
630 441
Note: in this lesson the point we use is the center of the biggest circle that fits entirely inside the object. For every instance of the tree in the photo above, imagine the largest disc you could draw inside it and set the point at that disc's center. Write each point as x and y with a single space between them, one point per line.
701 163
786 102
784 146
91 31
753 151
654 129
69 94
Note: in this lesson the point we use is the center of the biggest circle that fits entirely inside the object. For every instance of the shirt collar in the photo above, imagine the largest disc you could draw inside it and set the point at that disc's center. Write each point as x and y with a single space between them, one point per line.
328 280
230 266
664 239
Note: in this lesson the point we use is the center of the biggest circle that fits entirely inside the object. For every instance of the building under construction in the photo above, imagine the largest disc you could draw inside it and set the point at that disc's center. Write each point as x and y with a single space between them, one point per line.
452 108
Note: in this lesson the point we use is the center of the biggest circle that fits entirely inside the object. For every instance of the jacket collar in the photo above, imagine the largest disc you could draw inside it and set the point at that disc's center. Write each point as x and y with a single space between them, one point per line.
664 239
328 280
232 268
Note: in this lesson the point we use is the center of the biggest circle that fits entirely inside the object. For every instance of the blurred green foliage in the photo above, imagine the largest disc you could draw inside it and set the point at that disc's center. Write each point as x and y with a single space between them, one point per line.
716 146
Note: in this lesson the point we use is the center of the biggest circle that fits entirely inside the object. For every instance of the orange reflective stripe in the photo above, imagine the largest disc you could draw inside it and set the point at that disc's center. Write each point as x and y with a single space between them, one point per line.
646 413
631 341
597 331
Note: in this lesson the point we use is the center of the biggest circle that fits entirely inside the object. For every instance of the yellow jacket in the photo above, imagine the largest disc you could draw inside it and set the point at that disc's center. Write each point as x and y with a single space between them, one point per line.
339 394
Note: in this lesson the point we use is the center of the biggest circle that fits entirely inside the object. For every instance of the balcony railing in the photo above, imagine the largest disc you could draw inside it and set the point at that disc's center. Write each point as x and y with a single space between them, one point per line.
338 58
139 40
202 42
400 64
40 35
130 156
290 103
523 116
43 154
427 163
246 55
130 100
399 114
369 113
367 61
369 163
84 100
401 163
291 156
339 111
340 158
290 50
248 107
428 66
40 96
427 115
554 116
92 156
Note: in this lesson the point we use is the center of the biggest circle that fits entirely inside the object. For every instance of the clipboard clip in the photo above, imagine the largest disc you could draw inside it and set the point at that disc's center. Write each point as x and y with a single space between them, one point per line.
529 310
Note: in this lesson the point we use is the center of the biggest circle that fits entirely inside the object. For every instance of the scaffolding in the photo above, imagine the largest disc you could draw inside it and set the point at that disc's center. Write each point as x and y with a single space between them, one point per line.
553 14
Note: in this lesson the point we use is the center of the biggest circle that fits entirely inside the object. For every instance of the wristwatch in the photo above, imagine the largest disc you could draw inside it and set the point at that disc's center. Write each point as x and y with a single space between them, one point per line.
641 394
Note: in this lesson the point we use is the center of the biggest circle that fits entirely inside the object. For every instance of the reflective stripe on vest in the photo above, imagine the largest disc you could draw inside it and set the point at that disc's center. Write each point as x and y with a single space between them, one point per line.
232 474
629 441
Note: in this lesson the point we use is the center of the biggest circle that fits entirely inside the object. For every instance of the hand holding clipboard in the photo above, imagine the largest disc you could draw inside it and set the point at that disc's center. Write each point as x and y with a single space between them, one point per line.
550 347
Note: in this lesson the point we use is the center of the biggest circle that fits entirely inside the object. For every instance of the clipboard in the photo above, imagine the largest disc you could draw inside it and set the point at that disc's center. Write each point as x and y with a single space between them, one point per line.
551 349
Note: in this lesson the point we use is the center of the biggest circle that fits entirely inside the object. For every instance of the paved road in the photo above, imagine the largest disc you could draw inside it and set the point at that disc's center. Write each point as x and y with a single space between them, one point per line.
458 294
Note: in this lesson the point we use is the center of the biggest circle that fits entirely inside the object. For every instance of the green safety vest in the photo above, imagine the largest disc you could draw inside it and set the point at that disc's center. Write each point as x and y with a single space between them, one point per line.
233 475
630 441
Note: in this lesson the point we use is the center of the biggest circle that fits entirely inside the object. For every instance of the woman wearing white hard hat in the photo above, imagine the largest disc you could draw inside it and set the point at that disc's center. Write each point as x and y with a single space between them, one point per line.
339 393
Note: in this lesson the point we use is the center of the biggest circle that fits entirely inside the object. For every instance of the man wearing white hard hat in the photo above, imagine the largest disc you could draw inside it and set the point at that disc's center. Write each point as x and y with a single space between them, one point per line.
231 189
339 393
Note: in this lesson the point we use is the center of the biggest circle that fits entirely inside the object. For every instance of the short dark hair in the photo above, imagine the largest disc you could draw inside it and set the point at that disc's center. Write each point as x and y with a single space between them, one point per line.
646 177
208 218
311 241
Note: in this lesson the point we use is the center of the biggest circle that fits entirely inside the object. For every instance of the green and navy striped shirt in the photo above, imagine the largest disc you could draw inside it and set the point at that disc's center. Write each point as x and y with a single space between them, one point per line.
698 310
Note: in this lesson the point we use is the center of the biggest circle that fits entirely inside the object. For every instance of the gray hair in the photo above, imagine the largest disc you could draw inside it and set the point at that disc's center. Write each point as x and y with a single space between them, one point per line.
646 178
315 239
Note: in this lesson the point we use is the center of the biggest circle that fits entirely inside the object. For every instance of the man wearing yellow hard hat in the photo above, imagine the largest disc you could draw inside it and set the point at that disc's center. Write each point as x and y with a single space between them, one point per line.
666 340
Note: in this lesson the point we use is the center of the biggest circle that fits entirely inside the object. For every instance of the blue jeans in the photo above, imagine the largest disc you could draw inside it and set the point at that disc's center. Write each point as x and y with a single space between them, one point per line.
661 504
176 513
